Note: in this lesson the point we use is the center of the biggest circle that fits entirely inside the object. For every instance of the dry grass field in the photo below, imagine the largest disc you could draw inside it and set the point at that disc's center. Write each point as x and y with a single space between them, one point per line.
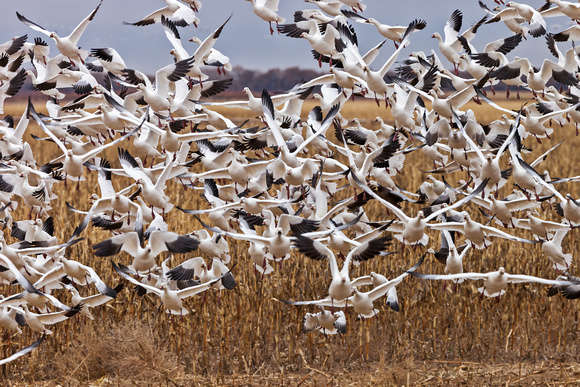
249 338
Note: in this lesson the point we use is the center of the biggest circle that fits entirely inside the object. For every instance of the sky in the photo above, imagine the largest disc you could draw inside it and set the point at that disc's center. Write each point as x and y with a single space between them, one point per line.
246 38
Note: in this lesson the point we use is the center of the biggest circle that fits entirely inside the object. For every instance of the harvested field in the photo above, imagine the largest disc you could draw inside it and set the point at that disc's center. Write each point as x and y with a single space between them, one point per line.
248 337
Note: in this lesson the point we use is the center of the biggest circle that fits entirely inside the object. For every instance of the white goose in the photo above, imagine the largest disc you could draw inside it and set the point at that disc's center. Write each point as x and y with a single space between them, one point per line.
325 321
200 56
477 233
553 249
171 299
179 14
68 46
73 164
340 287
266 10
362 303
494 282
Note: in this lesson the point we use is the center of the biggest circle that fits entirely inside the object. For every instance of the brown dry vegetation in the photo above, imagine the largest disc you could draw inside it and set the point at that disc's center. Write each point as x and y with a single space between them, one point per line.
249 338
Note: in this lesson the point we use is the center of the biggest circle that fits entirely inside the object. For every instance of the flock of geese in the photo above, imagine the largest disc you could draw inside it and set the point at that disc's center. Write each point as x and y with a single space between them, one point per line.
258 183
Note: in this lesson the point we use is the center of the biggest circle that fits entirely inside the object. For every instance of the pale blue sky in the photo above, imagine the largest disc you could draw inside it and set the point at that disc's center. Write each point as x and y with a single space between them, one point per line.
246 39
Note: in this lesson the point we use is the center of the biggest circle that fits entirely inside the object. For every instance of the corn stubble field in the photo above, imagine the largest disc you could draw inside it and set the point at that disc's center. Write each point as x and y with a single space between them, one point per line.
248 337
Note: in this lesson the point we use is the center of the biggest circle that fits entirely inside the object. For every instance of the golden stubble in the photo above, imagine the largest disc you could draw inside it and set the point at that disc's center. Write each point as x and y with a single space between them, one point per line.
248 333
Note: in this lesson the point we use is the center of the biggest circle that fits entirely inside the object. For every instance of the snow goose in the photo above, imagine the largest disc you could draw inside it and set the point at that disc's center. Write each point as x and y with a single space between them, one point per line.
376 280
8 69
502 209
454 43
90 301
37 52
540 227
493 54
157 95
37 197
92 124
11 142
568 207
472 66
255 103
342 78
524 12
179 14
189 103
35 231
325 321
572 10
13 251
153 194
333 236
413 229
403 106
449 255
537 80
287 222
11 320
458 82
196 267
477 233
215 58
6 213
29 289
79 273
517 25
200 55
511 73
110 201
266 10
325 43
9 89
171 299
534 124
48 79
110 60
362 302
444 107
490 169
553 250
340 286
14 46
252 205
68 46
570 33
144 257
79 77
568 61
289 158
278 244
212 245
38 322
375 79
494 282
331 7
570 292
72 165
394 33
525 180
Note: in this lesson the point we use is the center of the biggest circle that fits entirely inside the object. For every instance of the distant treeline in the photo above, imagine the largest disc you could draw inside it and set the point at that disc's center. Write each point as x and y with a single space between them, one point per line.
275 80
